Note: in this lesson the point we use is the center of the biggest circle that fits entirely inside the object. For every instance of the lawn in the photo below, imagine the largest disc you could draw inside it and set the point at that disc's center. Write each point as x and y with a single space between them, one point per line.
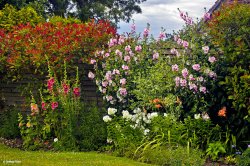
10 156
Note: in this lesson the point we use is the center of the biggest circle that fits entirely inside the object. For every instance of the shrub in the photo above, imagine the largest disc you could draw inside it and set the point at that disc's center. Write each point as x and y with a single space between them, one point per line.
10 17
244 159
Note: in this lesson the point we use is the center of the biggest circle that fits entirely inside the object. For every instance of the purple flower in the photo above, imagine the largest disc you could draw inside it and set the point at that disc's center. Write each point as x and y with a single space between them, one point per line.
108 75
124 67
118 52
185 44
105 83
121 39
127 58
179 41
92 61
146 32
207 16
191 77
138 48
155 55
91 75
107 54
177 81
203 89
128 48
205 49
196 67
184 73
123 91
162 35
211 59
123 81
183 82
193 87
133 28
116 71
175 67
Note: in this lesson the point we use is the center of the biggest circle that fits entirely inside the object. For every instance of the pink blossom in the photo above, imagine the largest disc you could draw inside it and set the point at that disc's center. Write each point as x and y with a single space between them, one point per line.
211 59
200 79
205 49
107 54
191 77
128 48
179 41
193 87
183 82
173 51
118 52
184 72
196 67
131 53
133 28
121 40
65 88
76 91
104 90
43 105
138 48
203 89
124 67
116 71
50 83
91 75
92 61
155 55
146 32
123 91
189 21
177 81
105 83
175 67
176 37
123 81
212 74
108 75
109 98
207 16
185 44
162 35
54 105
127 58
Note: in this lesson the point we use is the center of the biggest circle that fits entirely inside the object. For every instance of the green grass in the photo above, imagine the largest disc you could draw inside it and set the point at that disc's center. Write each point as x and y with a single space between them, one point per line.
36 158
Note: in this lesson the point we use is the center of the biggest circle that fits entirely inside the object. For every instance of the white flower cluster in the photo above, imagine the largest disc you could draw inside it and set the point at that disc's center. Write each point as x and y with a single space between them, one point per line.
204 116
112 111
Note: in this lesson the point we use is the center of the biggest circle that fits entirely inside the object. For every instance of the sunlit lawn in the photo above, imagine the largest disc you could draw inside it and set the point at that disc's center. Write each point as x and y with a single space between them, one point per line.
34 158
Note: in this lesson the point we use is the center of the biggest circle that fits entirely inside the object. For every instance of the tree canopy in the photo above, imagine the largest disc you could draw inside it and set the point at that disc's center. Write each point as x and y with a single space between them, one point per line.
114 10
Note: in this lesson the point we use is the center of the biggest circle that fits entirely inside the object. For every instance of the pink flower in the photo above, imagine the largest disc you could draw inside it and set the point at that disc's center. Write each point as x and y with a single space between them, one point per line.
118 52
123 91
124 67
176 38
123 81
50 83
183 82
54 105
104 90
138 48
109 98
184 73
105 83
127 58
173 51
212 74
211 59
205 49
43 105
146 32
185 44
128 48
193 87
133 28
107 54
196 67
200 79
91 75
92 61
191 77
177 81
155 55
179 41
116 71
65 88
108 75
207 16
121 39
162 35
203 89
76 91
175 67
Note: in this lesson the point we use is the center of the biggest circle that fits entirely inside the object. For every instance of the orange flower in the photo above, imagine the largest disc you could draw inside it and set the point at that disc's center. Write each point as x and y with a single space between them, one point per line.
158 106
222 112
34 107
156 100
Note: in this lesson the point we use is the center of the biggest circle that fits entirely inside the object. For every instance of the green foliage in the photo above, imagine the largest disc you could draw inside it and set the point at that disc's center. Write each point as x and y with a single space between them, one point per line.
172 156
92 132
70 20
215 149
9 123
10 17
244 159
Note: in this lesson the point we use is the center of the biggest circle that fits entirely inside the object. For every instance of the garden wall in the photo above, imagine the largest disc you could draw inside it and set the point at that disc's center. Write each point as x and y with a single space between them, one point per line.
10 93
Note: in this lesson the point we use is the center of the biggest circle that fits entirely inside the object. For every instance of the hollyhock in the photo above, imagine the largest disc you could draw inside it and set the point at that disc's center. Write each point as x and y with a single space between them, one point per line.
207 16
123 81
133 28
200 79
205 49
105 83
183 82
76 91
65 88
112 111
121 39
123 91
116 71
127 58
185 44
124 67
179 41
196 67
106 118
155 56
212 74
34 107
108 75
54 105
138 48
211 59
193 87
146 32
91 75
128 48
43 105
162 35
203 89
173 51
50 83
175 67
177 81
109 98
184 72
92 61
107 54
191 77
